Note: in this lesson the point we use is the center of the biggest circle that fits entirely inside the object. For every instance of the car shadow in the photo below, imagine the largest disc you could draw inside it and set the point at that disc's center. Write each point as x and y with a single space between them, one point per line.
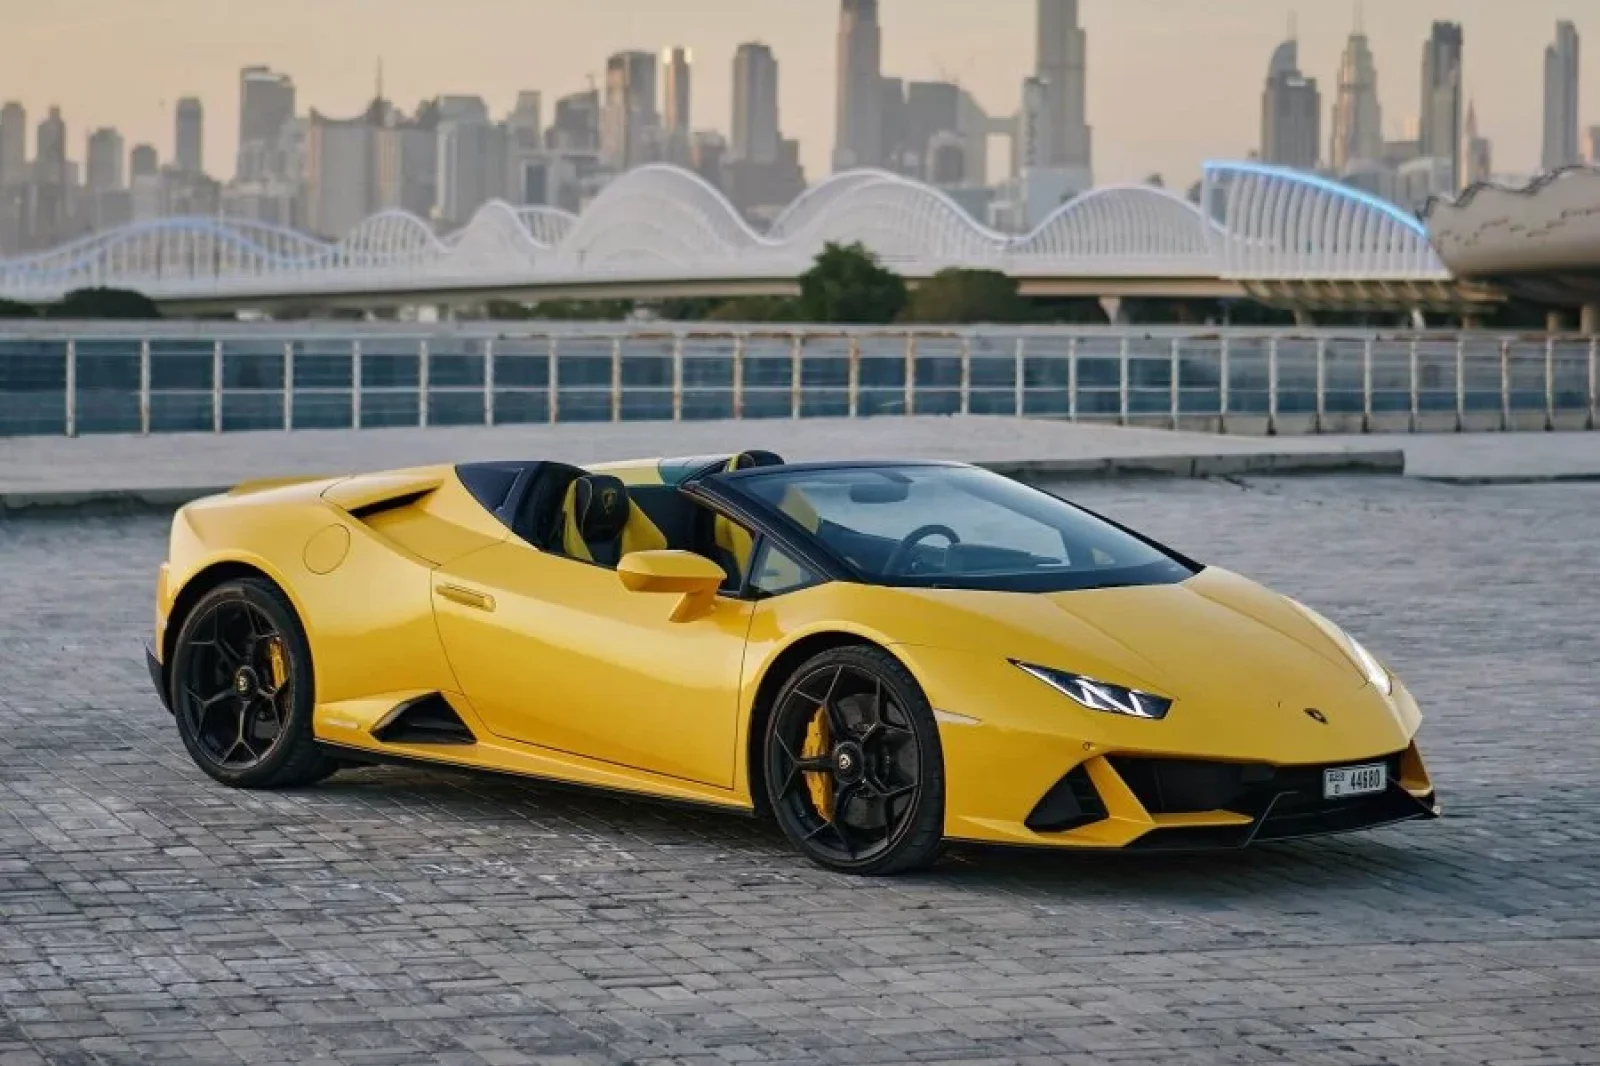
1294 872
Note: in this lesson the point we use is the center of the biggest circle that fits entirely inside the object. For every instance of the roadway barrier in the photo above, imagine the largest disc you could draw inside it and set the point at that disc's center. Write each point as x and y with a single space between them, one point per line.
210 377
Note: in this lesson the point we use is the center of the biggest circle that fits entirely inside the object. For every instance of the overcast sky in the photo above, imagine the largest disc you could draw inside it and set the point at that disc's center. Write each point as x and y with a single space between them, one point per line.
1171 82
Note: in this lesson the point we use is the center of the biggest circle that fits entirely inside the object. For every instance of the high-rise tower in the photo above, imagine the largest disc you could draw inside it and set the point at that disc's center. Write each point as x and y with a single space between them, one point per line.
1062 66
756 133
1357 114
1442 104
189 136
858 138
1561 99
1291 112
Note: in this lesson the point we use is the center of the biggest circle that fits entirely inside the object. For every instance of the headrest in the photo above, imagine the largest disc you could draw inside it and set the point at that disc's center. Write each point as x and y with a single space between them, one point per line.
600 505
751 460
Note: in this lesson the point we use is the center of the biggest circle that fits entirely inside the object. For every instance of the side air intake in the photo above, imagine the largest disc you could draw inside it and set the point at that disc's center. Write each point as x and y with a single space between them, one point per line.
425 720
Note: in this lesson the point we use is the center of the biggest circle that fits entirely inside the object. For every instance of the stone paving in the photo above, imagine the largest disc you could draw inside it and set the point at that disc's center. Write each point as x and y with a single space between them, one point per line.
399 917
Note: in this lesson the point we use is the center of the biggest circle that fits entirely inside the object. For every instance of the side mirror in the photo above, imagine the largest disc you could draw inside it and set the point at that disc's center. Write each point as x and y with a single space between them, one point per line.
693 577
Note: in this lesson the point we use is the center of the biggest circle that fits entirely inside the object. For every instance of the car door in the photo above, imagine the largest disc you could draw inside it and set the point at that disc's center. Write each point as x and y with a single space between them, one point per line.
555 652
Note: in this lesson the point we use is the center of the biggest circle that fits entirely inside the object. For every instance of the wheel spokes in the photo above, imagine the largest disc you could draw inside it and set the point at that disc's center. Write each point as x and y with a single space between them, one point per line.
853 810
241 720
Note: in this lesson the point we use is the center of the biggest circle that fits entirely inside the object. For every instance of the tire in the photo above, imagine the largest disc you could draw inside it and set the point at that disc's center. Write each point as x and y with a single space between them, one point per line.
244 707
873 802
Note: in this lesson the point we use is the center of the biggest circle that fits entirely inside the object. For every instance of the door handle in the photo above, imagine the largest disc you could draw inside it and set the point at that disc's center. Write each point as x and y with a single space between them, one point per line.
465 596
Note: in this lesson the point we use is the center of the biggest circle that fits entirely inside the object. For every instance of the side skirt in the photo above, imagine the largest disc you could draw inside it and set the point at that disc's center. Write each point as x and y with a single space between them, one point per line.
370 757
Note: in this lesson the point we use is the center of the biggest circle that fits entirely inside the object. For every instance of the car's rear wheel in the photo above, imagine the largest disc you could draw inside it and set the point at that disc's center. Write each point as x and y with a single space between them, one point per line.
242 689
854 771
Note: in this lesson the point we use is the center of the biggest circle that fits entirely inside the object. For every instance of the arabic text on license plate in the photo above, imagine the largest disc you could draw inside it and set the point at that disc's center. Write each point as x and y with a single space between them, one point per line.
1354 780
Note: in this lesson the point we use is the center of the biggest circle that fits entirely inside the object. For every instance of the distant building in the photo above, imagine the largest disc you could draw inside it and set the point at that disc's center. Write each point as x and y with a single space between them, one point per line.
1423 178
1594 145
1561 99
932 108
946 160
676 65
1062 65
858 125
1034 136
708 153
341 171
1357 114
526 121
266 104
630 121
103 161
1442 103
143 162
577 124
1480 153
13 145
474 159
1291 112
189 136
895 149
756 130
407 151
761 190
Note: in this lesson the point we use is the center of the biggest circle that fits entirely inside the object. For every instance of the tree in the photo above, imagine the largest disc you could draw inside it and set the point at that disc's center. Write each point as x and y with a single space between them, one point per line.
104 303
12 309
968 296
847 284
756 309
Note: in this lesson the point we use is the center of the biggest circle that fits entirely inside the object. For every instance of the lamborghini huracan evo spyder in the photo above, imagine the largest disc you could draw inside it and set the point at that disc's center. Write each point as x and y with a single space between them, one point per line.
880 656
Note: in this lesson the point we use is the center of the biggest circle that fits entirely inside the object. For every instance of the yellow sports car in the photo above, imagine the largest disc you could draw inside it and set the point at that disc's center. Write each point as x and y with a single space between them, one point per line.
880 656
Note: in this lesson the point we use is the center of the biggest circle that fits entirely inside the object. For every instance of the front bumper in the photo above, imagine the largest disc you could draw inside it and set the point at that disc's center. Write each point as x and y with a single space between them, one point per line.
1174 804
158 676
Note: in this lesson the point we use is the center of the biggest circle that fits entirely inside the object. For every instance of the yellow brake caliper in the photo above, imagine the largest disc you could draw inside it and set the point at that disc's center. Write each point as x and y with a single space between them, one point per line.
818 743
278 662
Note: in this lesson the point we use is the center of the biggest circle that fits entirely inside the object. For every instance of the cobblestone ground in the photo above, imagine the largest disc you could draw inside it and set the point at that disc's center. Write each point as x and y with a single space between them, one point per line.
393 916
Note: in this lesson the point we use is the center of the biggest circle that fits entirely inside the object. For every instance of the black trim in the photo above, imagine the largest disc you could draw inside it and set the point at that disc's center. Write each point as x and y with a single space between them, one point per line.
425 720
158 676
1071 803
492 483
393 503
368 757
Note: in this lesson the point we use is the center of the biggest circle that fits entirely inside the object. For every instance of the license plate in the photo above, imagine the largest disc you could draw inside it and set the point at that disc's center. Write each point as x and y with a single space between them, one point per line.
1354 780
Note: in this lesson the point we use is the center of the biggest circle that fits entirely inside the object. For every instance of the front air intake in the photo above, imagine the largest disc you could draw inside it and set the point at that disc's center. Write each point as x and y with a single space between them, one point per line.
1071 803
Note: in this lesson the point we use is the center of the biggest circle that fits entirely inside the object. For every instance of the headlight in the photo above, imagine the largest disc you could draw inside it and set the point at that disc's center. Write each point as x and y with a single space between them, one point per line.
1099 695
1365 661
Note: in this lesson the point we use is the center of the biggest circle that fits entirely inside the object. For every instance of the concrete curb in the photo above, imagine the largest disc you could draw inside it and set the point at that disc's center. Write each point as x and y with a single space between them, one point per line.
1509 479
1270 464
84 503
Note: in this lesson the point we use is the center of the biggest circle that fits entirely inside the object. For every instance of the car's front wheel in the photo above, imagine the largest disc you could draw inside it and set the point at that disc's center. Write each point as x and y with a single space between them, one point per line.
854 771
242 689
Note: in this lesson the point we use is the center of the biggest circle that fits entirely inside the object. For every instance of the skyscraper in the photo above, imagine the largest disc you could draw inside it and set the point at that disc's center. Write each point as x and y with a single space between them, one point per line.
50 163
1480 154
526 121
1561 99
266 104
1440 128
13 145
755 104
143 161
676 67
1357 114
630 117
1291 112
858 130
1063 67
189 141
577 123
103 161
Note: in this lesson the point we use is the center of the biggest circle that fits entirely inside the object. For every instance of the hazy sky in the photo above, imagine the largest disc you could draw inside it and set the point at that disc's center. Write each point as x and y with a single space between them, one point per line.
1171 82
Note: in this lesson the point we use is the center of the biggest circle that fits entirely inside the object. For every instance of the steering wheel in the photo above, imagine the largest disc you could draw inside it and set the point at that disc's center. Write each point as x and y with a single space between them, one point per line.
902 551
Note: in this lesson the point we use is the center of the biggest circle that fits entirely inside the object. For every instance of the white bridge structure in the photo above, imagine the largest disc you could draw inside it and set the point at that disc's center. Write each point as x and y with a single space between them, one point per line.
1282 236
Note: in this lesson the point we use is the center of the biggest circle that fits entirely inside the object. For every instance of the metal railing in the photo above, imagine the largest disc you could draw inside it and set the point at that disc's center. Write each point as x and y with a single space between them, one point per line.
197 379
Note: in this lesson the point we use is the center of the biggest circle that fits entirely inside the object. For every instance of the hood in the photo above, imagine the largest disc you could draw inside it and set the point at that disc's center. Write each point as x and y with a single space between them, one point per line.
1225 649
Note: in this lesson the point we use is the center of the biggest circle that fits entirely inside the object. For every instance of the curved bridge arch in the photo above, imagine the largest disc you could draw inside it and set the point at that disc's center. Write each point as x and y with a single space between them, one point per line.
1254 224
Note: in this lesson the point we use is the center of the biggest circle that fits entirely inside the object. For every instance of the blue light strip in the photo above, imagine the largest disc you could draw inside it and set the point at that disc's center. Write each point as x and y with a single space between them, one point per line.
1317 181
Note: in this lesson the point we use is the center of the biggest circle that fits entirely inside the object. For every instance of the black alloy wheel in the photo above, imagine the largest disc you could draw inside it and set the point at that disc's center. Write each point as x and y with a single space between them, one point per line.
854 770
242 689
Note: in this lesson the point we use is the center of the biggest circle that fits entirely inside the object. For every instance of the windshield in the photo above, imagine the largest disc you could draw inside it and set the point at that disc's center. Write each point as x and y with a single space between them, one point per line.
959 527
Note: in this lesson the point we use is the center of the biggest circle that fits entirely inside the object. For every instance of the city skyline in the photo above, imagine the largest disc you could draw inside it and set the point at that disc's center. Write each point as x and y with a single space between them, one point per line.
988 51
